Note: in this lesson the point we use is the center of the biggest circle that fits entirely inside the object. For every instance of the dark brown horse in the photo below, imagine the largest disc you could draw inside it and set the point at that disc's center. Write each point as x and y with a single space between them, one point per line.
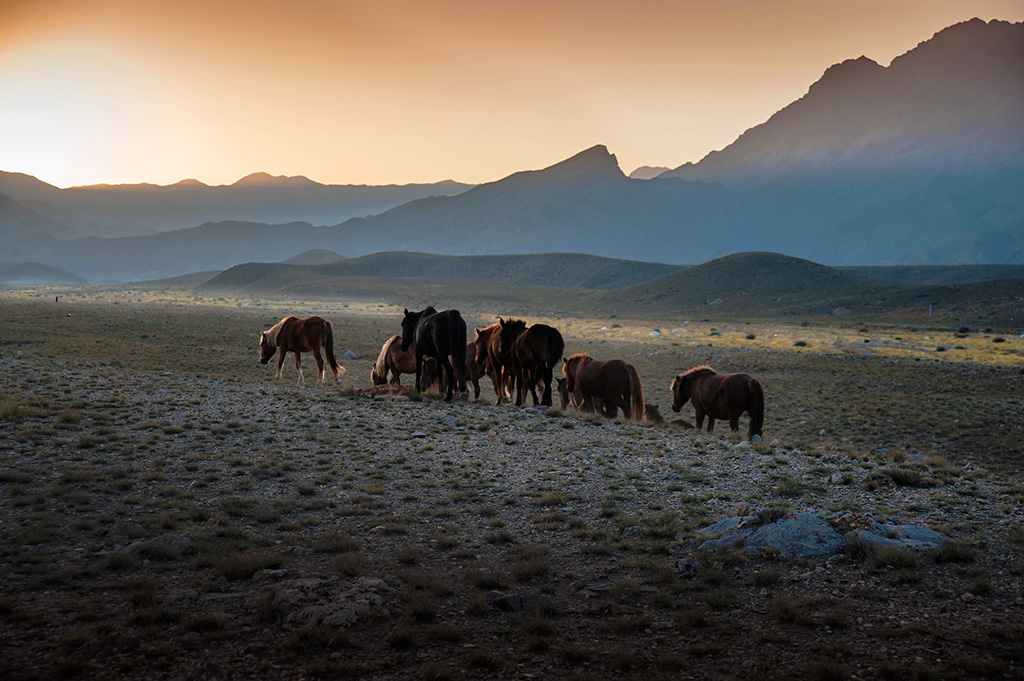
295 335
535 350
488 350
392 360
589 405
613 380
720 396
439 335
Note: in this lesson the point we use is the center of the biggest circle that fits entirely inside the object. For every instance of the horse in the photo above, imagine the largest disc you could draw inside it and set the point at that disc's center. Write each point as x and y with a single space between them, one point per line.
614 380
393 360
295 335
488 349
653 415
587 405
720 396
437 334
535 350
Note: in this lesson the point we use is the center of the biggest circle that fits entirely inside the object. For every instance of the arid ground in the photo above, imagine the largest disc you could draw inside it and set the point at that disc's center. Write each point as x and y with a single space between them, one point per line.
169 511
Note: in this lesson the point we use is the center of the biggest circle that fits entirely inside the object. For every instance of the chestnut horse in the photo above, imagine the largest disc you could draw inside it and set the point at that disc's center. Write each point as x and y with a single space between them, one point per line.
295 335
720 396
535 350
439 335
614 380
393 360
488 350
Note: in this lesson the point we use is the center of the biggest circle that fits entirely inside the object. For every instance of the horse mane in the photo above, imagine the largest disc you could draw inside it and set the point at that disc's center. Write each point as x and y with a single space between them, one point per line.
380 368
578 355
272 333
513 324
697 370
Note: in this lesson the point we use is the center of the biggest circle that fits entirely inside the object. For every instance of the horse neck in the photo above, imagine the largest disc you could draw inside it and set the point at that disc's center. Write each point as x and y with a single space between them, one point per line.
272 334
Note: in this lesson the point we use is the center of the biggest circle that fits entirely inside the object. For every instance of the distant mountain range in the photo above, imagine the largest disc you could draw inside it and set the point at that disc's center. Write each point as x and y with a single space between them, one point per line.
920 162
138 209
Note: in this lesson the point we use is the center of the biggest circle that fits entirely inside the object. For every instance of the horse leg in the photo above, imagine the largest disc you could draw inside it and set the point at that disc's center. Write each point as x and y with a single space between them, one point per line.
699 415
280 362
444 367
711 423
298 366
734 421
319 363
534 378
419 369
548 380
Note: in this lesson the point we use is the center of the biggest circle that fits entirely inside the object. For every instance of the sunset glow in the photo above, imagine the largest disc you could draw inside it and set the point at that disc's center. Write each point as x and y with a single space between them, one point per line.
398 91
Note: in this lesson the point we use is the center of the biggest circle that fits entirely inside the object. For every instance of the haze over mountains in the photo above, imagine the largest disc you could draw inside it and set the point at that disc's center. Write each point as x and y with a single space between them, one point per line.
920 162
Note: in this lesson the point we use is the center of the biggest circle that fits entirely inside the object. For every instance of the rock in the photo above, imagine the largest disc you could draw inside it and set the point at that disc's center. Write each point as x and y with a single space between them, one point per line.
687 568
350 355
797 534
632 531
417 433
910 537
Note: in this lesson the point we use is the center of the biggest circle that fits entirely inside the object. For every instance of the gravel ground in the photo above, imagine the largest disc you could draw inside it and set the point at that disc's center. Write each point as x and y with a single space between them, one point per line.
167 527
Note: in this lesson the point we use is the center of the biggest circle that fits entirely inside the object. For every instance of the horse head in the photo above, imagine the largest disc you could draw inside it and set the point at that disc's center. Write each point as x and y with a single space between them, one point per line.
267 348
508 332
569 369
409 328
563 391
682 385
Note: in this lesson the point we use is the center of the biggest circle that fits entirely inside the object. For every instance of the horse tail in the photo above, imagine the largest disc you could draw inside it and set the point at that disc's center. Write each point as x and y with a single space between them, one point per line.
756 407
636 394
457 338
329 349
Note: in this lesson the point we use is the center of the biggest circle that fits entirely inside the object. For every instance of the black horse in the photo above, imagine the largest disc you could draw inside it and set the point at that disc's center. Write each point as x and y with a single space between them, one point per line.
439 335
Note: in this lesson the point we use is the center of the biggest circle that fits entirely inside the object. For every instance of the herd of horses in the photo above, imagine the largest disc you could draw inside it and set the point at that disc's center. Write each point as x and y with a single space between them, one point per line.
519 358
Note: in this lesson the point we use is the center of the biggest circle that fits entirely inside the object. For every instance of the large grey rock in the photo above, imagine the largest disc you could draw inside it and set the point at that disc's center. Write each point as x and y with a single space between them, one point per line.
797 534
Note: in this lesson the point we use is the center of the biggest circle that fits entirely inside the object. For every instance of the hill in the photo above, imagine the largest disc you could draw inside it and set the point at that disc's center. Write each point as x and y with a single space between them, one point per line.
403 269
316 256
36 273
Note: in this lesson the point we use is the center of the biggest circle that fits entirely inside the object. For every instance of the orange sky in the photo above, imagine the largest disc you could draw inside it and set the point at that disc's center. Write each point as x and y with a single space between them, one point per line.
397 91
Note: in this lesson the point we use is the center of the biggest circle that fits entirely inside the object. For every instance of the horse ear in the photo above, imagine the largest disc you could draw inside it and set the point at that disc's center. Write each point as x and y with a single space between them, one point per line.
406 312
478 333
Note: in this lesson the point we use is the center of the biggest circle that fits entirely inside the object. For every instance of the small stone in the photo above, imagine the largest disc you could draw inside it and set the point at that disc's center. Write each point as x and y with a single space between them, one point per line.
967 597
417 433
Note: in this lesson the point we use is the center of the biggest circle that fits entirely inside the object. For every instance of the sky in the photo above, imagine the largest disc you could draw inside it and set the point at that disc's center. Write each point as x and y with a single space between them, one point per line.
402 91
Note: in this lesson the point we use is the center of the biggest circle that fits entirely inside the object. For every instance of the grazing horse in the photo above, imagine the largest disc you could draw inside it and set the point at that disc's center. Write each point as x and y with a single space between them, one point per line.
488 349
439 335
720 396
653 415
613 380
393 360
535 350
295 335
589 405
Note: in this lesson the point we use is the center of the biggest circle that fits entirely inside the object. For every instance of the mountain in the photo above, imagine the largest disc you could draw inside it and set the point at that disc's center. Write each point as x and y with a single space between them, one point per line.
648 172
18 221
316 256
917 163
954 103
136 209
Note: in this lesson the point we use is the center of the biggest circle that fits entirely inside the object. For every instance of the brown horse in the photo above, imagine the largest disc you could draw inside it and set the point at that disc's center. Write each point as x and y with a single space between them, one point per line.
475 371
295 335
614 380
393 360
535 350
653 415
720 396
488 349
588 405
